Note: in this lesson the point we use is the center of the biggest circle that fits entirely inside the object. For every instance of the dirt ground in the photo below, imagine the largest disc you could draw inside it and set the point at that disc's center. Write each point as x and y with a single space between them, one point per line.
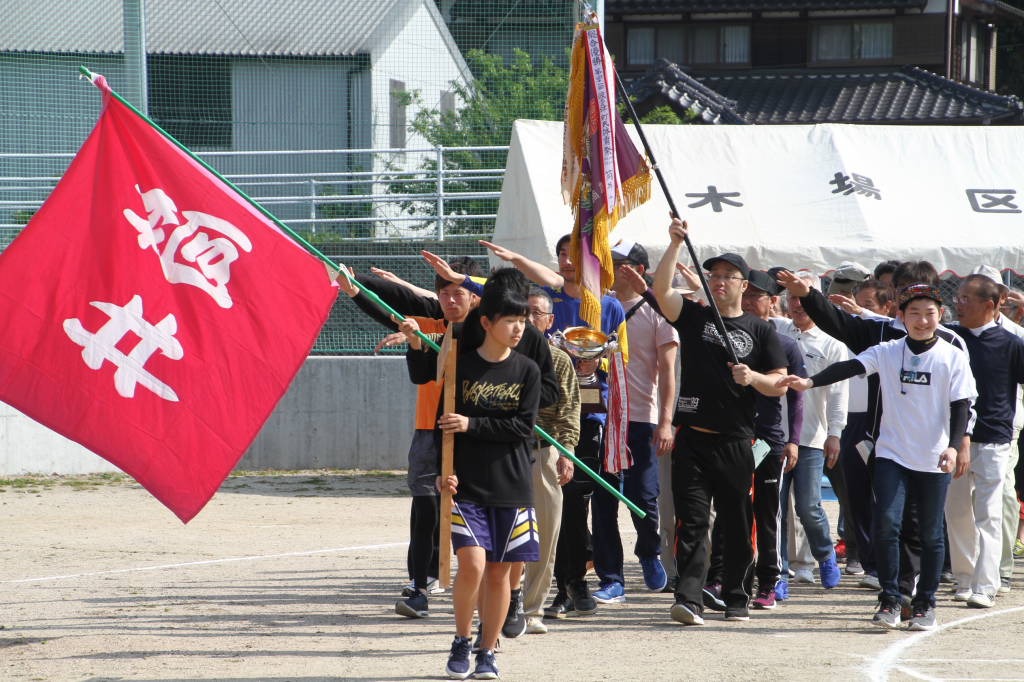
293 577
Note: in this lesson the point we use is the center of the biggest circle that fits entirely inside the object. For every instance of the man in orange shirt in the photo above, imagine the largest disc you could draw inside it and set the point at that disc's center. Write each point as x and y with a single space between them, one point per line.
455 302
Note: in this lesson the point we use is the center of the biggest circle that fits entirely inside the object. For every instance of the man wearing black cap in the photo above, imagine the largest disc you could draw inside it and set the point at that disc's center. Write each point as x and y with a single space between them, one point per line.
783 444
649 376
715 411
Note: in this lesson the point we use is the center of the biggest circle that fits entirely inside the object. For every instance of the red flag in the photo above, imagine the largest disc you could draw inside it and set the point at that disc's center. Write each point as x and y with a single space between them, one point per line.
152 314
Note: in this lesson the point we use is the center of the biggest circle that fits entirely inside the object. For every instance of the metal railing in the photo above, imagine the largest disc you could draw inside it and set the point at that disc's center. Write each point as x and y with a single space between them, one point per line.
390 193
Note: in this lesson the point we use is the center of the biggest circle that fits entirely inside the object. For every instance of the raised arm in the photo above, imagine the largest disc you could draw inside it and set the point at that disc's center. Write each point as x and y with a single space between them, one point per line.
363 302
537 273
442 268
858 334
403 300
395 279
840 371
669 300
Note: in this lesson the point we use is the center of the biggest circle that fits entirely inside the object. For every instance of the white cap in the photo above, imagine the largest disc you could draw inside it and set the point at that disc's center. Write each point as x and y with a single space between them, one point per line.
992 274
622 248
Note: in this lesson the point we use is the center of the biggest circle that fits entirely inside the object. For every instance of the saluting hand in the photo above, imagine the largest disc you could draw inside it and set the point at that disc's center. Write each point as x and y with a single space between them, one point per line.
794 285
633 279
500 251
441 267
847 303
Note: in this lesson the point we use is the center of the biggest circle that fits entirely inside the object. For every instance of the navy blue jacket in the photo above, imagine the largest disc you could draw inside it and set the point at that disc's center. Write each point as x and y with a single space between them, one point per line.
768 420
997 362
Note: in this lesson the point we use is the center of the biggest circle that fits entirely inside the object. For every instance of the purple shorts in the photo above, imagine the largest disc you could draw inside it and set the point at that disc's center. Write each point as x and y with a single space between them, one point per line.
507 533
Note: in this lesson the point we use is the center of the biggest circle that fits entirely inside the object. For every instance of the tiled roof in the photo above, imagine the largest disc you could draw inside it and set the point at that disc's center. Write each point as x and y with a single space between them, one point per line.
904 95
228 27
667 84
669 6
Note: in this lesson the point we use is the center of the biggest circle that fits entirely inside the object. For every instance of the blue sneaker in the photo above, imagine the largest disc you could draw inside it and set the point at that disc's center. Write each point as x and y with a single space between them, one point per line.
485 667
609 593
781 590
830 573
654 573
458 660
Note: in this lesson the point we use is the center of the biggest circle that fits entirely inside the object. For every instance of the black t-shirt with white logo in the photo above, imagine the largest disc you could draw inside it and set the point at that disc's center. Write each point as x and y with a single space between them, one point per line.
708 396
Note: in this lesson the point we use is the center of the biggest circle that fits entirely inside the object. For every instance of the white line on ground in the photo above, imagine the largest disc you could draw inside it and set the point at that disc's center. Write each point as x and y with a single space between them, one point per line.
888 659
208 561
918 675
965 659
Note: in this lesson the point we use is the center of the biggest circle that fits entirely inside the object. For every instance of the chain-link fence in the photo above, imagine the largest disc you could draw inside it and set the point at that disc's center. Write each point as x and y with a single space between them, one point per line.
375 130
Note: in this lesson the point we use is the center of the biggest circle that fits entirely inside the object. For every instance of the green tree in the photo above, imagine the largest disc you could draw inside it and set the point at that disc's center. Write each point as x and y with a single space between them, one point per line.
666 115
499 94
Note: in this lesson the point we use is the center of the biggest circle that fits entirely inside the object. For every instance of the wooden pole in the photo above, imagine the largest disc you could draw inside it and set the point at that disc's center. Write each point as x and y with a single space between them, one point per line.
444 546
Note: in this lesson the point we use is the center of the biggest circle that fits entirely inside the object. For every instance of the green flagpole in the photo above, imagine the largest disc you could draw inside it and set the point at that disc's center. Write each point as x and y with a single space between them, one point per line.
369 294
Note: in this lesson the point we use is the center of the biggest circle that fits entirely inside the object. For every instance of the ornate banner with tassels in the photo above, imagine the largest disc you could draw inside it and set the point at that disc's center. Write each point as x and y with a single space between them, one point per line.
603 175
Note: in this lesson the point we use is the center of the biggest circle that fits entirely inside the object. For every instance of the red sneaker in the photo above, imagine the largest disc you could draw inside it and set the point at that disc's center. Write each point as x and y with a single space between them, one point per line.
840 550
765 598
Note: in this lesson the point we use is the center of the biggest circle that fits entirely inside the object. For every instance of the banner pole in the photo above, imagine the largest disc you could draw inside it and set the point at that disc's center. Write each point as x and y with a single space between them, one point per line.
719 323
369 294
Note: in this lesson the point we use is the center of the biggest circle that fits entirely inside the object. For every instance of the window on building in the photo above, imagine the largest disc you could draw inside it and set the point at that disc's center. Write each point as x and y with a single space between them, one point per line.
671 44
640 46
704 45
397 115
719 45
190 98
847 42
694 45
735 45
872 41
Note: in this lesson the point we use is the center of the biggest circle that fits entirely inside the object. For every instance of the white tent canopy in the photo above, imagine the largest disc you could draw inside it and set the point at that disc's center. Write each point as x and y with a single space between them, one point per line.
950 195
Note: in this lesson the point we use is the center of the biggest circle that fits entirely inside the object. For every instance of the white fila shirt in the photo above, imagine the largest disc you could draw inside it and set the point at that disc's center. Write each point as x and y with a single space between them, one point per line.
916 393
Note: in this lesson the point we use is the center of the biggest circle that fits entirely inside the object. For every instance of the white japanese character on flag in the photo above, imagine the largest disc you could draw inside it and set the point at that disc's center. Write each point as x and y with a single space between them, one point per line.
130 368
212 256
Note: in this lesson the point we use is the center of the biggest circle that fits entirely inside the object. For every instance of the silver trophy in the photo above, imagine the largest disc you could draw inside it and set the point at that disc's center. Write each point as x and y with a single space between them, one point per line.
584 343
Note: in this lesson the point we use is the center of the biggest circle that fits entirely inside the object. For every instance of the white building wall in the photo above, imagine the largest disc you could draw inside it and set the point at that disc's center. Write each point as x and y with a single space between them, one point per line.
421 54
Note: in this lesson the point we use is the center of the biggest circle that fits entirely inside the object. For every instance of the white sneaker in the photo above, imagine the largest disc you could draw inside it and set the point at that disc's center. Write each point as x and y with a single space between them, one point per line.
962 594
804 576
980 601
1004 585
535 626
